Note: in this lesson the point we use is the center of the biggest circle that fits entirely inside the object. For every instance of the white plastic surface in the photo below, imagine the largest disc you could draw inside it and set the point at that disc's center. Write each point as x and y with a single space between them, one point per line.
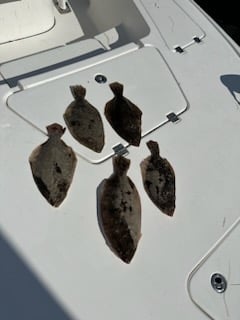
25 18
107 38
44 62
45 104
66 29
108 20
224 258
64 248
175 26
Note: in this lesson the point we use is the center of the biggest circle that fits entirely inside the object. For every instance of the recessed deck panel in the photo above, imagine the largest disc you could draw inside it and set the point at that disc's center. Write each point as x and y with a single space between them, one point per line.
151 87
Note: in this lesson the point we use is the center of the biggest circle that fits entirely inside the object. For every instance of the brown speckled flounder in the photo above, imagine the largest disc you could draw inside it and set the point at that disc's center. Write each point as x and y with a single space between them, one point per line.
120 211
159 180
124 116
53 164
84 121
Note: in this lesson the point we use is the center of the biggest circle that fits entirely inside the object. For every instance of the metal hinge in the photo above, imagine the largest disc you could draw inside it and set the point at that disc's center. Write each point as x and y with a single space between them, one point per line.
120 150
173 117
179 49
197 39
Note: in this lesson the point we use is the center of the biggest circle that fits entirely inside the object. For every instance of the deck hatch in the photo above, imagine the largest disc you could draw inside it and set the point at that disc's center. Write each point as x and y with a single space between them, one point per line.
213 284
175 26
147 82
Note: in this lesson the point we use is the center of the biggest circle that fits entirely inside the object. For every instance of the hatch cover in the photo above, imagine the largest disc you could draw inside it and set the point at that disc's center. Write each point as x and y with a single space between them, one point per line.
22 19
176 27
214 284
147 82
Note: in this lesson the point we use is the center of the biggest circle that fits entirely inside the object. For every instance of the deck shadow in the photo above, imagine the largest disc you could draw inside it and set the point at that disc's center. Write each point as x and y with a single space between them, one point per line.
22 294
232 83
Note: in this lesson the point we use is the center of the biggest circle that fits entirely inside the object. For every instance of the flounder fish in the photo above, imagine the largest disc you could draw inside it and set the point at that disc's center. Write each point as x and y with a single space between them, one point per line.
120 211
124 116
53 164
159 180
84 121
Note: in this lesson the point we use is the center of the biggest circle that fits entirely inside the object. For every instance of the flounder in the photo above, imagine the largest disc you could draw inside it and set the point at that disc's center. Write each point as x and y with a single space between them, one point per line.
120 211
124 116
159 180
53 164
84 121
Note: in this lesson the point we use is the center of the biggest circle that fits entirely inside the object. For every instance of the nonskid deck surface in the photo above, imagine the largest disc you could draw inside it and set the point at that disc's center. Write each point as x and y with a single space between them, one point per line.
111 239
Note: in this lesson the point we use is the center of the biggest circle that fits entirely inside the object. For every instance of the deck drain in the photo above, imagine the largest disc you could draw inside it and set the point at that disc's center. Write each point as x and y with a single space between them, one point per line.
100 78
218 282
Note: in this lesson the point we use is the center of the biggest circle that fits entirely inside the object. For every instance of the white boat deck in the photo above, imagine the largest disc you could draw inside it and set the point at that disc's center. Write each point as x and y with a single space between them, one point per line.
169 276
